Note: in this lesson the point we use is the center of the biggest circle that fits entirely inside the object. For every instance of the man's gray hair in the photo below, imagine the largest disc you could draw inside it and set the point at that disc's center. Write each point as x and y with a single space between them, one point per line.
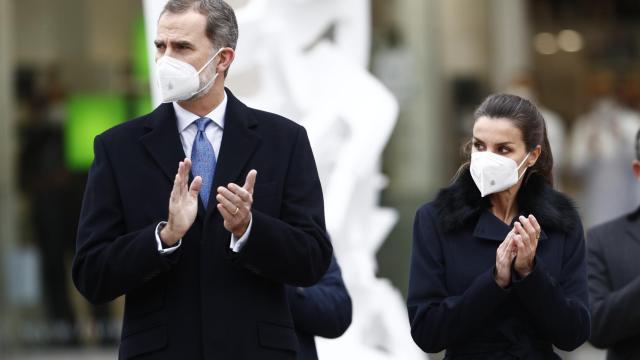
222 26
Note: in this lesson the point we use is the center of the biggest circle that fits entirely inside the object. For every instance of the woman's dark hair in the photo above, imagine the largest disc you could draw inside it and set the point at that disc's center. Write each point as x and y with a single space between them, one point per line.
526 117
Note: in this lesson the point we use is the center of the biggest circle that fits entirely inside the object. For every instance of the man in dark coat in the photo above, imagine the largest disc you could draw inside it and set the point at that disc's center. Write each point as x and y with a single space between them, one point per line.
202 261
613 250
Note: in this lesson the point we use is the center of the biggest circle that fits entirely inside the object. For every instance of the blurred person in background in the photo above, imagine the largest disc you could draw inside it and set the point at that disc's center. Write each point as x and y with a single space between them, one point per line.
601 150
498 262
630 89
51 189
613 249
323 309
523 84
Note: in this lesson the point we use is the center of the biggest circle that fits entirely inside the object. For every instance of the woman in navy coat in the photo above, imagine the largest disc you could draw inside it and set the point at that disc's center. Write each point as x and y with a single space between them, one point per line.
498 260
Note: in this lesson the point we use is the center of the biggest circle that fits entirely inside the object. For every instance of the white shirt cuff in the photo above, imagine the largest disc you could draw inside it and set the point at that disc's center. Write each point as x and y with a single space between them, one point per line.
237 244
161 250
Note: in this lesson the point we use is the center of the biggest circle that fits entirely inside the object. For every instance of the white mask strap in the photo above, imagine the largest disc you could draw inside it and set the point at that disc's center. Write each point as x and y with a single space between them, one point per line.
212 79
209 62
519 166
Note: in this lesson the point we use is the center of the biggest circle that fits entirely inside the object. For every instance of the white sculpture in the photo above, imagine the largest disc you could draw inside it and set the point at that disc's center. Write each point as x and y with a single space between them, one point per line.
306 60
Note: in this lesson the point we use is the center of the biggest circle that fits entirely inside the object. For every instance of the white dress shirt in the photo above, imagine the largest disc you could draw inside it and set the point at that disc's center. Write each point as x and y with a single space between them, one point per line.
188 131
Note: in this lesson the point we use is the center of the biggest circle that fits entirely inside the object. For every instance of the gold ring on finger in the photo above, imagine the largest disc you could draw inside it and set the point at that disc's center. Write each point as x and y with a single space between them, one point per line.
236 211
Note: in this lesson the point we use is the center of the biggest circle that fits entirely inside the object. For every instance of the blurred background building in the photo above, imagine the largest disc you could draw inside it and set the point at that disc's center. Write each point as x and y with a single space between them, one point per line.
71 68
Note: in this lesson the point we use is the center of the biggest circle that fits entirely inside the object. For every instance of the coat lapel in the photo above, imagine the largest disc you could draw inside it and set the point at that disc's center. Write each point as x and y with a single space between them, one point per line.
239 141
163 140
164 144
489 227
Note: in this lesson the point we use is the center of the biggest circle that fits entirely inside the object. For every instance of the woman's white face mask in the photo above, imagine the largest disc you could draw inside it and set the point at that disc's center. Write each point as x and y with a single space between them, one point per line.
493 173
179 80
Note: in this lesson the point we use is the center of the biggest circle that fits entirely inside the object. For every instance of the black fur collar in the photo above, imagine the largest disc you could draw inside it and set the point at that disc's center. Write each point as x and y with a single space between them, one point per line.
460 204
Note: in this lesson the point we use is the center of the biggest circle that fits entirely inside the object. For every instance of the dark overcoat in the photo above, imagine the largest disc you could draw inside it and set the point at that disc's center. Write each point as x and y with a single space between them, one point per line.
454 302
613 253
203 301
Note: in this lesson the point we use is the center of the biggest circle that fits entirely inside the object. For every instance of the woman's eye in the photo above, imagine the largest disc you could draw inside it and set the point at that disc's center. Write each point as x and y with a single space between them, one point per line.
478 146
504 150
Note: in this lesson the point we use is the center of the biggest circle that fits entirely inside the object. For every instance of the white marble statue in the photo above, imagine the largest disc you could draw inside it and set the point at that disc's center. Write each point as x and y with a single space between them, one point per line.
306 60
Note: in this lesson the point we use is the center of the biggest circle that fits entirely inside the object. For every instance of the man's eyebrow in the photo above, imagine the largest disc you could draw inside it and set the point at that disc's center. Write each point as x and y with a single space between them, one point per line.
182 43
158 42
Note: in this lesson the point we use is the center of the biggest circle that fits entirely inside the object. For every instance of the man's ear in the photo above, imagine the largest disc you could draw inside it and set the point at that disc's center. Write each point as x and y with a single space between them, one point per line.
226 58
635 166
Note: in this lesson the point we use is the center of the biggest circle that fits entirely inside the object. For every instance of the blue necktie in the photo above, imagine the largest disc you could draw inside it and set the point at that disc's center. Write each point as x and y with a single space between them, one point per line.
203 159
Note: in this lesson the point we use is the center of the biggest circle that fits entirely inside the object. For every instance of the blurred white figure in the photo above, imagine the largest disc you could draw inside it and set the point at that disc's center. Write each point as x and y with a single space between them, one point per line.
602 149
306 59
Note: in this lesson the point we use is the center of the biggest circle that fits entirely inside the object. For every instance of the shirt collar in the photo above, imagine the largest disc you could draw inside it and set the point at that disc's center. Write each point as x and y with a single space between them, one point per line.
186 118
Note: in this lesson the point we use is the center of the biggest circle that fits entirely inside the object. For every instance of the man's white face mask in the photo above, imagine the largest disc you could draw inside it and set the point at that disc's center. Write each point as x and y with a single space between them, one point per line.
493 173
179 80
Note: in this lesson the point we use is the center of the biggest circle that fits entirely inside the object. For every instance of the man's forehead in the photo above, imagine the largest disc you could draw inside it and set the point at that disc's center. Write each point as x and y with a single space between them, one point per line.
188 26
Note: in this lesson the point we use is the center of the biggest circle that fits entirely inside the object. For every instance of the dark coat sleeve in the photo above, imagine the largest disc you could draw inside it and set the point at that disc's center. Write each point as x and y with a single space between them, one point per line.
298 238
559 306
615 314
323 309
439 319
109 262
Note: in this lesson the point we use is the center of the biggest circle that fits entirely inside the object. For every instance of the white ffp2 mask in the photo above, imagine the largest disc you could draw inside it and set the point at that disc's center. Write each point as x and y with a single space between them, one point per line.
179 80
493 173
